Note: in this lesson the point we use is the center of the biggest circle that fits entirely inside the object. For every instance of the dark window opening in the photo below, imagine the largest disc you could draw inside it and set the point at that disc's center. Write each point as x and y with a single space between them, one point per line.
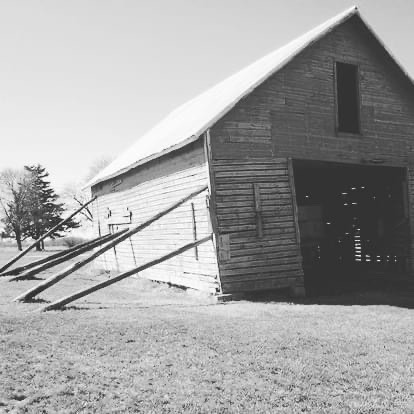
347 97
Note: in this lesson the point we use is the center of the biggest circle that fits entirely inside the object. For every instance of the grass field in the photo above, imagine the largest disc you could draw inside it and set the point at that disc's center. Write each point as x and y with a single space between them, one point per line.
143 347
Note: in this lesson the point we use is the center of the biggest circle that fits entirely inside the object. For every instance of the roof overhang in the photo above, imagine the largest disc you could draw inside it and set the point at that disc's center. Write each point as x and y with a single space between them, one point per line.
187 123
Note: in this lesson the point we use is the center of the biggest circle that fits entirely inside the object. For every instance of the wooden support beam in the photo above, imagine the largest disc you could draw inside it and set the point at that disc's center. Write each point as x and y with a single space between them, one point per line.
193 217
32 272
211 182
211 198
48 233
258 209
68 299
294 202
75 266
35 263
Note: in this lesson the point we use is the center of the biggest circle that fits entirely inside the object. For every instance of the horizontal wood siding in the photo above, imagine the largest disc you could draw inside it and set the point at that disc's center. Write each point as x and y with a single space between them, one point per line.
146 191
304 125
259 258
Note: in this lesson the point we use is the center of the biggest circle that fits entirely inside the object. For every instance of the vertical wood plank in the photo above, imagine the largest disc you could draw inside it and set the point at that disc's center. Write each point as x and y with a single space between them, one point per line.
224 247
258 208
209 224
211 180
212 198
294 203
193 219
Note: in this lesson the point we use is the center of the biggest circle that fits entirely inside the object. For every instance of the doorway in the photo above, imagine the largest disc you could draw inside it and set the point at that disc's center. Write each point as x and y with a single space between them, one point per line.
353 223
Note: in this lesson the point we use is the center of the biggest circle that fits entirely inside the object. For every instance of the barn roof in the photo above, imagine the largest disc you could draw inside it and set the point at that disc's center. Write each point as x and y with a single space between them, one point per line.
185 124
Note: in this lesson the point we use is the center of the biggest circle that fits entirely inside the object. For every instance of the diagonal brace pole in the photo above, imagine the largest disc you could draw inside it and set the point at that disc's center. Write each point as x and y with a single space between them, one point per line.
31 272
48 233
68 299
70 269
20 269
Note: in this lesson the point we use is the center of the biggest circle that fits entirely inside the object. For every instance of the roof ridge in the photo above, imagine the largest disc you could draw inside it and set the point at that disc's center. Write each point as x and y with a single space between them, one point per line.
187 122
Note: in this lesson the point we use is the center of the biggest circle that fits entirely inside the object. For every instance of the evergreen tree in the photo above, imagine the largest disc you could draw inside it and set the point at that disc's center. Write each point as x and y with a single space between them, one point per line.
45 210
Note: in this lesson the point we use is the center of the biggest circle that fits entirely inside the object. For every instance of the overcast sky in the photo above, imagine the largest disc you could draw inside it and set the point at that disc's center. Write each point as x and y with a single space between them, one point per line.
83 79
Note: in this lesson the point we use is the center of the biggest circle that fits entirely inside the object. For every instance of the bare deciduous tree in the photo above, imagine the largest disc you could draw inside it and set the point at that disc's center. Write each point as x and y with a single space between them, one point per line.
15 193
74 195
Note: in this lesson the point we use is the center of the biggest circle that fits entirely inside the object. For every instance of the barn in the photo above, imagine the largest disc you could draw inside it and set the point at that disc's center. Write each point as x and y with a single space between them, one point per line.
306 156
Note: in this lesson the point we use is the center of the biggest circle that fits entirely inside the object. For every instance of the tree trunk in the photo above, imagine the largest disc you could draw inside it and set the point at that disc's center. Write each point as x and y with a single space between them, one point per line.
18 238
38 245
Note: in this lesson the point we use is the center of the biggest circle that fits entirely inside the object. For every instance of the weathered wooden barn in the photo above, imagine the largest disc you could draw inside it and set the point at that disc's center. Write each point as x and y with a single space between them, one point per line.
308 158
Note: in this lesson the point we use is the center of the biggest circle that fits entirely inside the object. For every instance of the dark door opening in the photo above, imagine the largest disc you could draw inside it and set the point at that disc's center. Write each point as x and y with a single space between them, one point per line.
353 223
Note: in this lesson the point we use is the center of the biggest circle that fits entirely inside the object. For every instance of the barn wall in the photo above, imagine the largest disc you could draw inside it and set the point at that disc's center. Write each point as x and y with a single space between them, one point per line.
147 190
293 115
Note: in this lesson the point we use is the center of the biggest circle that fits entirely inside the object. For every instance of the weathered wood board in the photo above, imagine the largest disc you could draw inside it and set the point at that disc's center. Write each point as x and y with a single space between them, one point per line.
147 190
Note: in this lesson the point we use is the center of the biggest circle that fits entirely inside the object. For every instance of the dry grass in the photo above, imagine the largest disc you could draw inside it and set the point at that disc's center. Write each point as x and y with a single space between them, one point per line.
143 347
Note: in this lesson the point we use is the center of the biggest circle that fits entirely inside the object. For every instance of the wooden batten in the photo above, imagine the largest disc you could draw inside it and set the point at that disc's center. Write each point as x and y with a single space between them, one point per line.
294 203
194 222
258 210
211 199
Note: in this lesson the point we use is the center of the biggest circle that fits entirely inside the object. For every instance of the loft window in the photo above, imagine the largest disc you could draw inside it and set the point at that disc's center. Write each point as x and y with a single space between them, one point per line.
347 95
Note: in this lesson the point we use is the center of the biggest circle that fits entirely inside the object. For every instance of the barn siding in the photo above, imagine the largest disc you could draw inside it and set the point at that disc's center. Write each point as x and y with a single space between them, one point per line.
304 125
146 191
293 115
257 261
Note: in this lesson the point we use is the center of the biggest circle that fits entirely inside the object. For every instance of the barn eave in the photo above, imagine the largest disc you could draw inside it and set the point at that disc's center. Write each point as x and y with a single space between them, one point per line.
195 117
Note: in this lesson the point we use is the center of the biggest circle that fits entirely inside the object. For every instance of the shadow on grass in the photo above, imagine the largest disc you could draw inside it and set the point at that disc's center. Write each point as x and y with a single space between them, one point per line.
77 308
361 299
343 297
66 308
14 279
37 300
123 306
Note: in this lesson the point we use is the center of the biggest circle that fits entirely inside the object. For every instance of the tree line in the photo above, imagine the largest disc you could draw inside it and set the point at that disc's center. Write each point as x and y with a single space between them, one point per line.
30 206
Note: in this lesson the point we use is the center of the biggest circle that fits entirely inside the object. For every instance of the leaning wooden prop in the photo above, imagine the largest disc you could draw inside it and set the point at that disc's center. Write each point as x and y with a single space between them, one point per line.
30 265
51 231
27 296
80 294
85 247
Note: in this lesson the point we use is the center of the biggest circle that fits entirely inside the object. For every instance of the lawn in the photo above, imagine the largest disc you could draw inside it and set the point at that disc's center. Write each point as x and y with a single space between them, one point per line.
143 347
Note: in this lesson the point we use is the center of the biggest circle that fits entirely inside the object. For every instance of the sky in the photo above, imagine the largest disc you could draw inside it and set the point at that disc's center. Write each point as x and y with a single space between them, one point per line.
81 80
